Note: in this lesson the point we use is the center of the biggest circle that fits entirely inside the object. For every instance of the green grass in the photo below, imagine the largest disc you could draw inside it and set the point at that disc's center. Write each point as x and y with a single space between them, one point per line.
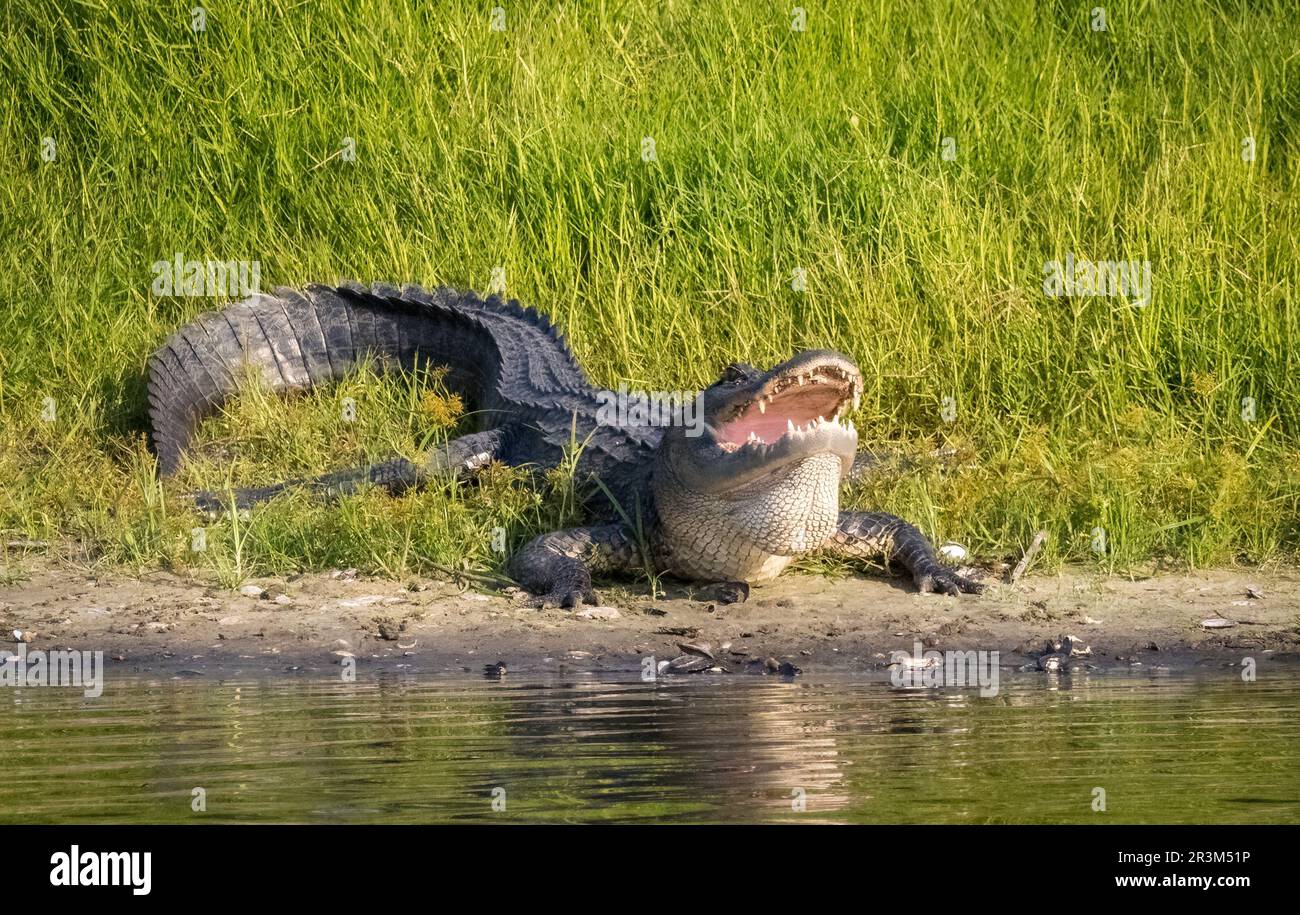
776 150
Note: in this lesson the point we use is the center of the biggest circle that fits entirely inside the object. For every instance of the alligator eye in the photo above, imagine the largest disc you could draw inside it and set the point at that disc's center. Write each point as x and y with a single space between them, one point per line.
736 372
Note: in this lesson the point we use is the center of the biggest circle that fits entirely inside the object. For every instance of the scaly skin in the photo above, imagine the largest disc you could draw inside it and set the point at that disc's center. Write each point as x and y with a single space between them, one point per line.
755 489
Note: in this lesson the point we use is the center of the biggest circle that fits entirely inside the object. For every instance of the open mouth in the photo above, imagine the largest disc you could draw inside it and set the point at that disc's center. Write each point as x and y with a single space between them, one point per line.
805 402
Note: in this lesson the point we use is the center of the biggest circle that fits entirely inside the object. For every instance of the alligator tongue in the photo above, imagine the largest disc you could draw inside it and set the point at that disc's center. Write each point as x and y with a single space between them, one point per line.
799 407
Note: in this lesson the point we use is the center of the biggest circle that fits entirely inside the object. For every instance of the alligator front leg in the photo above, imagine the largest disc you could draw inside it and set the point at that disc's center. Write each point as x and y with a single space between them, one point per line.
557 567
876 535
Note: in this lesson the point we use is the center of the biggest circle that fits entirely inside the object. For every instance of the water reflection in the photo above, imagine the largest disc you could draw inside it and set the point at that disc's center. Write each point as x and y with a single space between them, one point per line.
729 749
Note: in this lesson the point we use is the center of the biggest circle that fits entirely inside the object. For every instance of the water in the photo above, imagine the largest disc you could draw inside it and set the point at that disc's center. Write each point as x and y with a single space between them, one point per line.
730 749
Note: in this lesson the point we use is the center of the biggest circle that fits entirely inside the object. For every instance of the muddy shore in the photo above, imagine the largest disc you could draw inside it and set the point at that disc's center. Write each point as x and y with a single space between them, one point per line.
164 624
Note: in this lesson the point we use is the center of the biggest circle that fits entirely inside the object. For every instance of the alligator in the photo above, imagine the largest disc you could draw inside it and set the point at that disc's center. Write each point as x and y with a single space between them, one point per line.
732 500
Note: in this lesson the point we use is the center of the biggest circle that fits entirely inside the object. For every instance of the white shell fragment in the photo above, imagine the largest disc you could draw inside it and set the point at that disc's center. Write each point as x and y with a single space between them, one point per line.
953 552
1218 622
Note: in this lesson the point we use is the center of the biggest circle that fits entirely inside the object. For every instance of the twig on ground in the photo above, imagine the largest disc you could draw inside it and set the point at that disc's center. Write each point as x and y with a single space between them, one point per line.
1039 539
27 545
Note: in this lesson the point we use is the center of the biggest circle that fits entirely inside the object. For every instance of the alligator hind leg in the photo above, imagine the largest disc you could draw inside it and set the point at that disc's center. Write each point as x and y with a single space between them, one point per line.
876 535
557 567
460 458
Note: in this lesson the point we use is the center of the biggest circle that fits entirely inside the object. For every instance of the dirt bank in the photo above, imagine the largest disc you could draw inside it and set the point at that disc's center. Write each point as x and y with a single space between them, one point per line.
163 623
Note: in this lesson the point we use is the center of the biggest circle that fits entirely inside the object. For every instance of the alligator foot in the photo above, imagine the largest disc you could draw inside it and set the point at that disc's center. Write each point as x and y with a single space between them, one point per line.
941 580
565 598
215 504
876 535
460 458
556 568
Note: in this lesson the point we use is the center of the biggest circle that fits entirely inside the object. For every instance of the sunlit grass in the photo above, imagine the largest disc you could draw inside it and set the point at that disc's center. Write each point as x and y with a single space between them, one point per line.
775 150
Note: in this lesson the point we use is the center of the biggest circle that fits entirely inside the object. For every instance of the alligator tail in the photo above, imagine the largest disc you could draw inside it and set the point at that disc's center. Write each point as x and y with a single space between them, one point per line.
298 340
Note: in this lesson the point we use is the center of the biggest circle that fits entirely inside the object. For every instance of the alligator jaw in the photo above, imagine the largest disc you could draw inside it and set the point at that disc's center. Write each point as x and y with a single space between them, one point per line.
759 424
798 408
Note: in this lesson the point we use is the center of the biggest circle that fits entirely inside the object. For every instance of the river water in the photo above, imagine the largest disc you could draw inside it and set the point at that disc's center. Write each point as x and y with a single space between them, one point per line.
1046 749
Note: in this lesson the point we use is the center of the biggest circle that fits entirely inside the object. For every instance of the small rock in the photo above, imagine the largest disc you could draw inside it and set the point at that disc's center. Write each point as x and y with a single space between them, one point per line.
388 631
689 632
1218 622
342 644
702 649
343 574
229 620
283 600
579 655
253 591
733 592
366 601
21 635
597 613
1254 593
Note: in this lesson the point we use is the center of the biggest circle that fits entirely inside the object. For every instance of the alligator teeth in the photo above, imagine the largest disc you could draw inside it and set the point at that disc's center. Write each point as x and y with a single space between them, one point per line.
762 406
789 425
801 381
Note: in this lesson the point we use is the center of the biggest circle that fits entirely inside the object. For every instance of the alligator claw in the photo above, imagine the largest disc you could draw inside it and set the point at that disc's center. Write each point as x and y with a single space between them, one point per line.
946 581
565 599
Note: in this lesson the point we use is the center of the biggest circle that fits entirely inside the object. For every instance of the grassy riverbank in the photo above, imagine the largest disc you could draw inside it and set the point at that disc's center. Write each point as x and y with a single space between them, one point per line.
775 152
